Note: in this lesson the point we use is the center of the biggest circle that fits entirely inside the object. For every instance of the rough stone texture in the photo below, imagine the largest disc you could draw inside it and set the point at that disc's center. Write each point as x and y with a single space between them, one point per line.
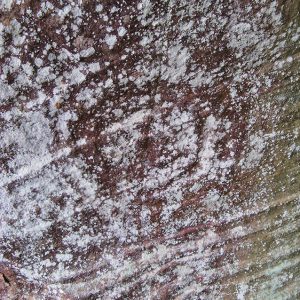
149 150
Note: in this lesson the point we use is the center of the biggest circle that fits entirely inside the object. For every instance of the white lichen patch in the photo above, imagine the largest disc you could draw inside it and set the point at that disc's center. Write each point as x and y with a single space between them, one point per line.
127 132
110 40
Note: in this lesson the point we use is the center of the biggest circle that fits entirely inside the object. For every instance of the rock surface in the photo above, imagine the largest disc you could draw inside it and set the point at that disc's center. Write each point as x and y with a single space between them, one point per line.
149 149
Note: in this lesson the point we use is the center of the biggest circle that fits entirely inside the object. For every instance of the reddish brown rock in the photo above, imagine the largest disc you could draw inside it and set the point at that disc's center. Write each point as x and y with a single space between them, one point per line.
149 150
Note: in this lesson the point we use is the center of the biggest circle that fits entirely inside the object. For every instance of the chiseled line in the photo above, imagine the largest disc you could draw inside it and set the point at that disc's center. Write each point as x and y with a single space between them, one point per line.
35 165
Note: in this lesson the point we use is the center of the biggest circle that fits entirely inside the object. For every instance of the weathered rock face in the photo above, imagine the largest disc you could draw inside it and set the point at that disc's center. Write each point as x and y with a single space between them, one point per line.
149 150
